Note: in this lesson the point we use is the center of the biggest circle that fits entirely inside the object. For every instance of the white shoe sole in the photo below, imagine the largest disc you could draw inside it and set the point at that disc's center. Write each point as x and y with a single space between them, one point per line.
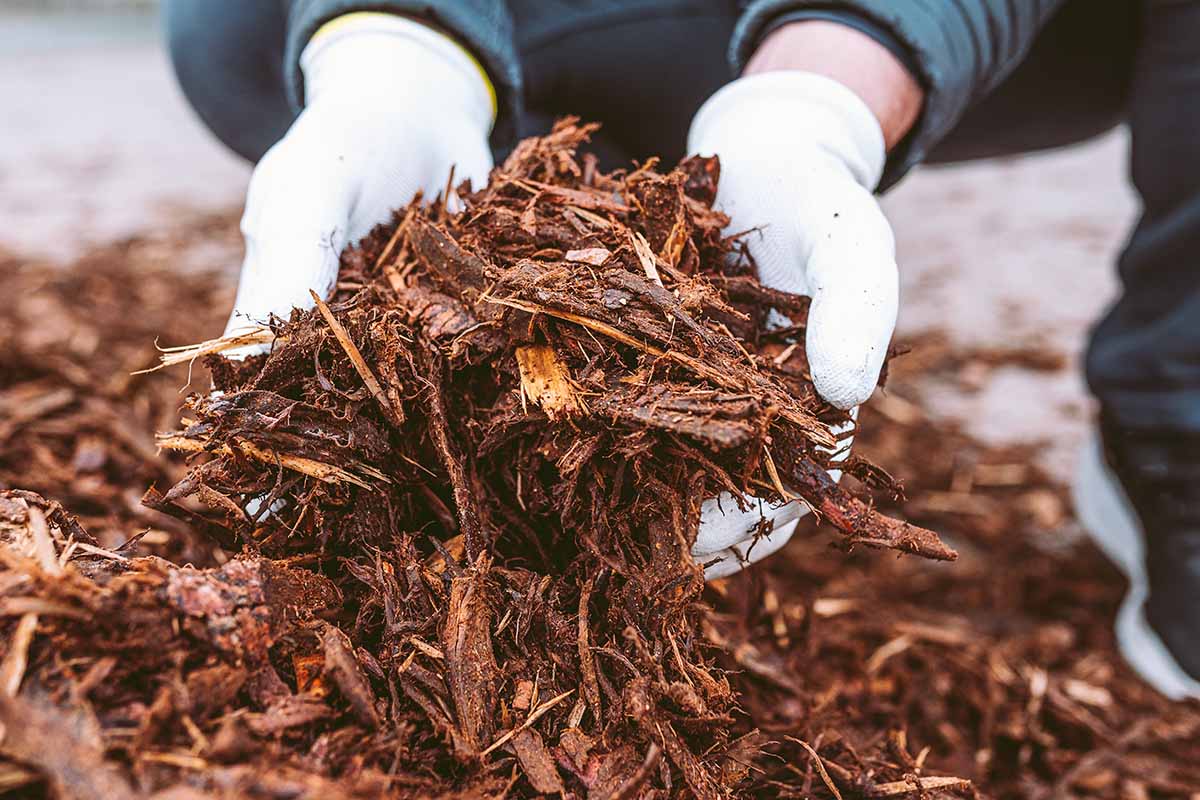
1107 515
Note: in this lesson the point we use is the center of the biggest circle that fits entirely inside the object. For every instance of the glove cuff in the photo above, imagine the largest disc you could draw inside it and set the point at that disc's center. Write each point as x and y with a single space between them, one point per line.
785 106
355 51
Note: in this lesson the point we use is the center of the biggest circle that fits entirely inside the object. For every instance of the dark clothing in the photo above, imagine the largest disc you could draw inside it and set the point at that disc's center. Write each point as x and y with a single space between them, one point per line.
643 75
1159 474
1144 358
1001 76
960 49
485 27
228 57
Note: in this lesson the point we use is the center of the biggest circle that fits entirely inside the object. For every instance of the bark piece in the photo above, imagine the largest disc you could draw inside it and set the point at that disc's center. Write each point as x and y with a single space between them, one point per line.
343 666
471 670
537 762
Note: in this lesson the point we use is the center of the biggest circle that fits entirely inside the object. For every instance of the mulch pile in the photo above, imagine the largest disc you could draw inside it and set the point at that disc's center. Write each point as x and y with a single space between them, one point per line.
75 423
435 544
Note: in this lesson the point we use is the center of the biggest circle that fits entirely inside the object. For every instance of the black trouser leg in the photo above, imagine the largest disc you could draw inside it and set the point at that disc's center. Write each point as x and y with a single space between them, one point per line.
1144 359
228 57
1072 85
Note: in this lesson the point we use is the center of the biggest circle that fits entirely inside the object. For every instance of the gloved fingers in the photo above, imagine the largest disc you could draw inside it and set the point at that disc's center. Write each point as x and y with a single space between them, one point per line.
742 554
474 165
471 160
759 202
307 203
843 435
723 523
855 290
455 157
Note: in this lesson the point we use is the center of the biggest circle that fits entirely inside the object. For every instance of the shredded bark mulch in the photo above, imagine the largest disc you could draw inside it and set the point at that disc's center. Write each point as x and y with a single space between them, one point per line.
436 543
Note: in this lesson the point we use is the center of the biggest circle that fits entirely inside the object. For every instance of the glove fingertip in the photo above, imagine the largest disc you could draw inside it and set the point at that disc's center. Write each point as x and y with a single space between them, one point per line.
847 344
845 392
844 371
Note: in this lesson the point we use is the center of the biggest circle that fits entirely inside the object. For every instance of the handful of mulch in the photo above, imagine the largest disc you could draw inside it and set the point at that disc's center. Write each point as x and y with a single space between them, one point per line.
570 349
465 492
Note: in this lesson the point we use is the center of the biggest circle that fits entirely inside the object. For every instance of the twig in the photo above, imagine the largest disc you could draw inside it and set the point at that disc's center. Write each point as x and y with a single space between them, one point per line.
37 606
357 360
12 669
534 716
595 219
587 663
448 191
646 256
774 474
631 784
100 551
391 244
820 766
190 352
426 648
181 760
327 473
43 544
915 784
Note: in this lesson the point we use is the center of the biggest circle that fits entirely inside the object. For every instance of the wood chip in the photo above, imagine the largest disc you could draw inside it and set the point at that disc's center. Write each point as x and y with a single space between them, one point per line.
917 785
645 255
12 668
533 717
537 762
545 381
341 664
314 469
594 256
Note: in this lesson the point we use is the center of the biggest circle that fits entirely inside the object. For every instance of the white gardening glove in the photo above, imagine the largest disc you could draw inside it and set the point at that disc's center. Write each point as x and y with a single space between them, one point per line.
390 106
801 155
730 538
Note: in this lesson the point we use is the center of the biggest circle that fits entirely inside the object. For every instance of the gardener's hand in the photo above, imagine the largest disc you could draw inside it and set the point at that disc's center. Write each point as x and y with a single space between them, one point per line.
391 106
800 157
731 538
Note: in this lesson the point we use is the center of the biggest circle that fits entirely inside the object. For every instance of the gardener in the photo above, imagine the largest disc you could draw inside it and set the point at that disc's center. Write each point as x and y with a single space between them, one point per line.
349 108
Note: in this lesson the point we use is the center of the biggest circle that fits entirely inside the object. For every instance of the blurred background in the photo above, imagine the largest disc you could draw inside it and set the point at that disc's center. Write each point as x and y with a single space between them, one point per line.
1006 261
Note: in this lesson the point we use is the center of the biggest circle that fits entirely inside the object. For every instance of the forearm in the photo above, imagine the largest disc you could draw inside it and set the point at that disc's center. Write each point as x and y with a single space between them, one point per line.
851 58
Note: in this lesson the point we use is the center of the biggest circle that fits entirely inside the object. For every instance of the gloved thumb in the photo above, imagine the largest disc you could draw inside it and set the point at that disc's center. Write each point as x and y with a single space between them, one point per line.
854 285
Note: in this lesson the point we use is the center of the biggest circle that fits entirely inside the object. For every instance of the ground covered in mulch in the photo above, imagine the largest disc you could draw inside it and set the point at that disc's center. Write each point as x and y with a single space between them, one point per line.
436 543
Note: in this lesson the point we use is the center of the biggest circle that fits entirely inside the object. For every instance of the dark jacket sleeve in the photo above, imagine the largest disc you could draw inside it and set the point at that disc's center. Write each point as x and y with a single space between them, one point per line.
228 59
960 50
484 27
